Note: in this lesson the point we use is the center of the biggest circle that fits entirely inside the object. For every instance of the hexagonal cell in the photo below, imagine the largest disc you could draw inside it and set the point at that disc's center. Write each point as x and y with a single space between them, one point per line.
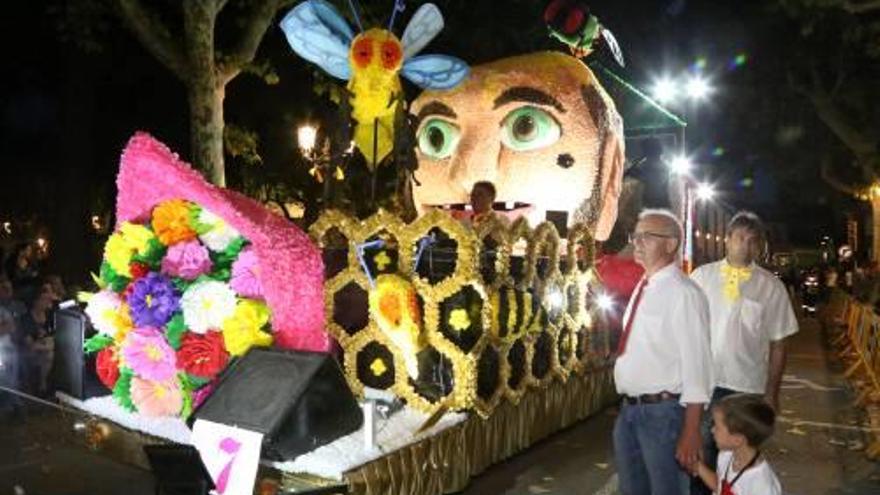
435 380
572 300
517 269
488 373
461 318
351 308
380 253
516 359
514 312
488 259
438 259
334 252
564 346
543 356
582 343
375 366
554 302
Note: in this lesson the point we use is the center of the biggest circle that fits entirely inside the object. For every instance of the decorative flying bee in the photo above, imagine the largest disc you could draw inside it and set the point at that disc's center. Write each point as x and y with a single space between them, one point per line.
371 63
571 22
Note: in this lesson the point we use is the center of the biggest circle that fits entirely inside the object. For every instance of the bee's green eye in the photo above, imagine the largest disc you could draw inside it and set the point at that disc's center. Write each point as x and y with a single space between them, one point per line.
438 138
529 128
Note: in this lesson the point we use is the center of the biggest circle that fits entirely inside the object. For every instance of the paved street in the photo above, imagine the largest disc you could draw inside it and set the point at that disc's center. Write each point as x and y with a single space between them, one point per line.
817 449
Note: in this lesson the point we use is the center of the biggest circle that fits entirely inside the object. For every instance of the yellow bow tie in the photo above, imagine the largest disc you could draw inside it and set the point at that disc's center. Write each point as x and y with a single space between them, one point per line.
733 277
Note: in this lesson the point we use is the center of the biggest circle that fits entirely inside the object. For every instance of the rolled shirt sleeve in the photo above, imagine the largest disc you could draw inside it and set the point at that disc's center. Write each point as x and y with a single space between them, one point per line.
780 321
691 334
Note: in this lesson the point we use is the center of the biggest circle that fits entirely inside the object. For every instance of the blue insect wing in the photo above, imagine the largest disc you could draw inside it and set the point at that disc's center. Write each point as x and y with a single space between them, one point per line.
331 18
435 71
312 39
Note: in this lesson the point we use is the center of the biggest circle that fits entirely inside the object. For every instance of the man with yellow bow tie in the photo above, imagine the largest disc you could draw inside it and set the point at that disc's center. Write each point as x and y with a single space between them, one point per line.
750 318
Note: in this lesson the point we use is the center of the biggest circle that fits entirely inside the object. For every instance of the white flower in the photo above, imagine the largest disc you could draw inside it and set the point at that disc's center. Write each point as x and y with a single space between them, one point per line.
220 235
103 311
206 305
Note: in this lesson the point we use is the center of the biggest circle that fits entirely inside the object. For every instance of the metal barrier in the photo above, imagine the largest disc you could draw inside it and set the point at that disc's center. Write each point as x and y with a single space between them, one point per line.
858 345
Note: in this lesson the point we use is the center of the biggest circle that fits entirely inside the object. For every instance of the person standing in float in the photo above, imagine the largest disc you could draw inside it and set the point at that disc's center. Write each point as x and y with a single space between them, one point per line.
663 366
751 316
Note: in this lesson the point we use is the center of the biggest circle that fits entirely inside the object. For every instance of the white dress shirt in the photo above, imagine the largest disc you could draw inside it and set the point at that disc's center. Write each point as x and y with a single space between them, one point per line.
743 329
668 346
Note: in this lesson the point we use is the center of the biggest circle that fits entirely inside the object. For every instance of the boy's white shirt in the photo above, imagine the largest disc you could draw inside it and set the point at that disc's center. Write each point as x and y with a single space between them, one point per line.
756 480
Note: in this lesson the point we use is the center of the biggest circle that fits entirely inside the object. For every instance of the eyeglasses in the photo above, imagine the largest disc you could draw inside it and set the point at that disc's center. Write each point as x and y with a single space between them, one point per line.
638 237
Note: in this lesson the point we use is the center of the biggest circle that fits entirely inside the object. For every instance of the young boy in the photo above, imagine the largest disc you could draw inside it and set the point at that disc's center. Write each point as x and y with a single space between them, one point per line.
742 423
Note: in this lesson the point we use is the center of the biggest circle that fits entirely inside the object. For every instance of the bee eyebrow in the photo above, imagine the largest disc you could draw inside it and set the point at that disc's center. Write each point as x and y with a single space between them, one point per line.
437 108
529 95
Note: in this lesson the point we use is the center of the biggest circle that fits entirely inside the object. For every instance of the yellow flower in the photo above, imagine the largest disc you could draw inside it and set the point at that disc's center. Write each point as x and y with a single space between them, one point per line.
241 331
118 254
122 322
459 319
136 236
382 260
378 367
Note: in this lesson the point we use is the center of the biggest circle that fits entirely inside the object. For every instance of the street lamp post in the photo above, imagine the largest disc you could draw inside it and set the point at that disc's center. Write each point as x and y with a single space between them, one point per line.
315 155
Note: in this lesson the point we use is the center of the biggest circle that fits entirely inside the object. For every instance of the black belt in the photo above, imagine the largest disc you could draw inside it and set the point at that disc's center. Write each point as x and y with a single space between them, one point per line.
650 398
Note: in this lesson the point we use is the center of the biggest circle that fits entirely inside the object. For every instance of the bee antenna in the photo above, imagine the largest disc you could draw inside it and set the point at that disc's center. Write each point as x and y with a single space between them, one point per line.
399 6
354 12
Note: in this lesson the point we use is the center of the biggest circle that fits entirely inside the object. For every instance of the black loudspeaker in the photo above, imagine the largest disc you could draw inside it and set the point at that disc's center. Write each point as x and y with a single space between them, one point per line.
179 470
297 400
74 372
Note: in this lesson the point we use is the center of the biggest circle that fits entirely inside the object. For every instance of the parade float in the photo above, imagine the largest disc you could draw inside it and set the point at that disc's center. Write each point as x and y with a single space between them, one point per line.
462 342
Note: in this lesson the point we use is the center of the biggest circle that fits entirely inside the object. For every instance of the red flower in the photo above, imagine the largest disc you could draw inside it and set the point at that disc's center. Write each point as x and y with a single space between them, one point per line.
202 355
138 270
107 367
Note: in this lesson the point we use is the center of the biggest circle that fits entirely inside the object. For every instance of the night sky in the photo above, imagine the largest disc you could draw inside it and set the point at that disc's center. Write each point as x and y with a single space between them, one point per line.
66 112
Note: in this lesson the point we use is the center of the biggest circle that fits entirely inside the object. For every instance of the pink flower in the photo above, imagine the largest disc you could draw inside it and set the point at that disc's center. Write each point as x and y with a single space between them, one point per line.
156 398
148 354
186 260
246 275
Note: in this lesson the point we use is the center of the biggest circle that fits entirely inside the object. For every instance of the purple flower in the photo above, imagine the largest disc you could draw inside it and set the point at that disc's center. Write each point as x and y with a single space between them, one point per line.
186 260
246 275
153 299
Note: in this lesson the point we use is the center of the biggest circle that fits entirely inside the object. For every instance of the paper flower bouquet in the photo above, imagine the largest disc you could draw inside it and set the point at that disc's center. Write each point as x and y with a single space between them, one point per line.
179 296
192 277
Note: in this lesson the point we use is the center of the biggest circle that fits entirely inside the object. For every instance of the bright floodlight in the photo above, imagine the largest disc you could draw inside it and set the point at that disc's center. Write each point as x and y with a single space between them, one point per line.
705 192
604 302
664 90
680 165
306 136
697 88
555 299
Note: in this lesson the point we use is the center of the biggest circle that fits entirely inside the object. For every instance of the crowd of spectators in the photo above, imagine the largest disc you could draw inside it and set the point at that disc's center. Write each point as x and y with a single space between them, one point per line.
27 299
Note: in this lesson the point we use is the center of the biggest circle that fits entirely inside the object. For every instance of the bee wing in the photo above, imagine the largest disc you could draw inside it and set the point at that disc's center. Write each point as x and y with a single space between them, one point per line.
611 41
435 71
422 28
318 33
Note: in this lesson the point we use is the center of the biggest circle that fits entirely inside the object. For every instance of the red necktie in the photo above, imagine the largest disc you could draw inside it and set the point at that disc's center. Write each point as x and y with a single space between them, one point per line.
624 336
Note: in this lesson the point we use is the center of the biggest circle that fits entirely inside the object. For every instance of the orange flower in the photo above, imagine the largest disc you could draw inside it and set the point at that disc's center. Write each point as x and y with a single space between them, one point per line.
171 222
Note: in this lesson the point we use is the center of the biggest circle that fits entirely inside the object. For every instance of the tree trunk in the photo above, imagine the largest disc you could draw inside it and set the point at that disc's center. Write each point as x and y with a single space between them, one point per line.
206 130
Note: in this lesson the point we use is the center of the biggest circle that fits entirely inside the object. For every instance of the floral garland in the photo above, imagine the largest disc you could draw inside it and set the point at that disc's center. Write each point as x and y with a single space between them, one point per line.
180 296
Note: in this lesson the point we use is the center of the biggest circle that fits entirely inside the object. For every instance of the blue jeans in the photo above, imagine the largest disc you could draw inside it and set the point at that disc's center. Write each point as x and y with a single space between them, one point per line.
645 437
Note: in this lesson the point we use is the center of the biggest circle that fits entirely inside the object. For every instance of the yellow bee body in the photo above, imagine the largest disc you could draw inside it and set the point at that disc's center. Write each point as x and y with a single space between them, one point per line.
375 58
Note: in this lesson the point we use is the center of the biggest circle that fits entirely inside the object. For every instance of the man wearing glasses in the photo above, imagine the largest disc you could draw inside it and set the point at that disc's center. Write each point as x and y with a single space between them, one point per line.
751 316
663 368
